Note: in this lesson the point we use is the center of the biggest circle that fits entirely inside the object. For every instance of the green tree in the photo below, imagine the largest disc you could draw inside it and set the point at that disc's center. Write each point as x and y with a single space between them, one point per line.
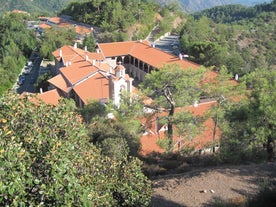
223 90
42 82
89 42
92 111
16 43
123 126
55 38
46 159
262 117
187 127
170 87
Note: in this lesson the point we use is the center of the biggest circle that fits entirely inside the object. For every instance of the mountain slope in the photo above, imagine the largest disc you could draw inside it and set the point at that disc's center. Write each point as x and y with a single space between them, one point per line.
198 5
33 6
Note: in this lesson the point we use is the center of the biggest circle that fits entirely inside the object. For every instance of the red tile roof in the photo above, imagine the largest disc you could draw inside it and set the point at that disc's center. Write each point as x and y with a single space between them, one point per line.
44 26
60 22
94 88
59 82
56 20
74 55
148 141
77 72
82 29
117 48
144 52
49 97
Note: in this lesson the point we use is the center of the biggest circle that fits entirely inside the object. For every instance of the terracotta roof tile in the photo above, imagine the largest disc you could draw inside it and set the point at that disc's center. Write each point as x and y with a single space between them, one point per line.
156 57
82 30
144 52
56 20
60 22
44 26
73 55
49 97
148 141
59 82
94 88
78 71
117 48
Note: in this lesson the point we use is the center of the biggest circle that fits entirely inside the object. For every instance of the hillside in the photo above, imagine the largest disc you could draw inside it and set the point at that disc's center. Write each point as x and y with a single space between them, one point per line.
198 5
35 6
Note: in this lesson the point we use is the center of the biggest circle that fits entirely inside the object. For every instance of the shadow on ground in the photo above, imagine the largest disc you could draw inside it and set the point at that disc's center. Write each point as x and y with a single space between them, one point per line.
160 201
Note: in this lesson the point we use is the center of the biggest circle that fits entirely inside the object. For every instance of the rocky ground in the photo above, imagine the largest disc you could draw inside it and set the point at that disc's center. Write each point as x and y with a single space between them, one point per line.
204 186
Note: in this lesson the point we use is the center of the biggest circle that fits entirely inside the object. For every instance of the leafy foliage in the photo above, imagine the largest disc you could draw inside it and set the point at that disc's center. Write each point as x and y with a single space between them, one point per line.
243 41
16 43
170 87
250 133
35 6
46 160
55 38
116 18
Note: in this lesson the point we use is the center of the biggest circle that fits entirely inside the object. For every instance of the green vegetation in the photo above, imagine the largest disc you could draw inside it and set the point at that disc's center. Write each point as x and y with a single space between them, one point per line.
172 87
123 20
16 43
250 132
240 38
47 159
125 127
35 6
55 38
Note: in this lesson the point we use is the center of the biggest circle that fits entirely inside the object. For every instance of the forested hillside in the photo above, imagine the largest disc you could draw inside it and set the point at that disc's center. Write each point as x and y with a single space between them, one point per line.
16 44
35 6
199 5
241 38
123 20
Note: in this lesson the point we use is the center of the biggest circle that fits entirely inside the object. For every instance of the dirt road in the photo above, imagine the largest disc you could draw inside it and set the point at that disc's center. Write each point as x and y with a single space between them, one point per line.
201 187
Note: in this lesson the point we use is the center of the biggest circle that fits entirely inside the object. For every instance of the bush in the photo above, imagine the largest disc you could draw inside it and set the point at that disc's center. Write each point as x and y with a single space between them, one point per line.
46 159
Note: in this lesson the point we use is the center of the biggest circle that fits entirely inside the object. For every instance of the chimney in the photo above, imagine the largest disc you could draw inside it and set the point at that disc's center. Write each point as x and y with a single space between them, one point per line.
153 45
93 62
60 53
98 50
110 69
195 104
236 77
86 57
180 56
40 89
85 48
75 45
69 63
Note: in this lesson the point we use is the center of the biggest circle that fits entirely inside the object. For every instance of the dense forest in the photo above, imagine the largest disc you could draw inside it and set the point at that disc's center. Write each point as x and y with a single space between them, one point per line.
243 39
35 6
16 44
123 20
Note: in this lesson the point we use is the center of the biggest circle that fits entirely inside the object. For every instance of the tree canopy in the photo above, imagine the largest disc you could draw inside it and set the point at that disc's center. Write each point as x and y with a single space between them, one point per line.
46 159
172 87
238 37
16 44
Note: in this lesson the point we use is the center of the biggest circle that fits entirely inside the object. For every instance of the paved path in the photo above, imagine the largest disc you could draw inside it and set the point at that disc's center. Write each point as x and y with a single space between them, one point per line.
169 44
